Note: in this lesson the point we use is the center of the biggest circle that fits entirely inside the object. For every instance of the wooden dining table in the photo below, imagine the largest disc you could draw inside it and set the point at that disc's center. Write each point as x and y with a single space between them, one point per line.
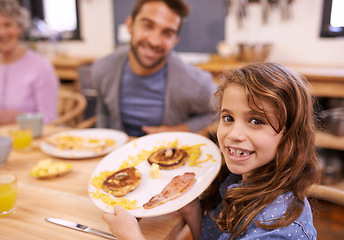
64 197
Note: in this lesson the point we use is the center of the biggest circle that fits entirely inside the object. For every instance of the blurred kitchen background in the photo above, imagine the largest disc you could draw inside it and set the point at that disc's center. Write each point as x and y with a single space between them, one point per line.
292 26
305 34
73 33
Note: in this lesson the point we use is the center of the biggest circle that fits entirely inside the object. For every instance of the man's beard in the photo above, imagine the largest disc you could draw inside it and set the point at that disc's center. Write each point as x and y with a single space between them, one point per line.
134 50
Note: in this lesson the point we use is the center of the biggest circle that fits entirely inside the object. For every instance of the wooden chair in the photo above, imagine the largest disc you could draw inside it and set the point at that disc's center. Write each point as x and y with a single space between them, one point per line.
328 210
327 193
71 105
87 123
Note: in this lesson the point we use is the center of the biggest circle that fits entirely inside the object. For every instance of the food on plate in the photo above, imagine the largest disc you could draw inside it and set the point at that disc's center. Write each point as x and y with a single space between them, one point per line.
193 151
168 157
172 190
124 202
154 171
97 181
70 142
49 168
195 158
122 182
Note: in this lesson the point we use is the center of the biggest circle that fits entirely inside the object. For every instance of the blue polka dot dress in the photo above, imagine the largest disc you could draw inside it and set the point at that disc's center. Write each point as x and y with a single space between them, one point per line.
301 229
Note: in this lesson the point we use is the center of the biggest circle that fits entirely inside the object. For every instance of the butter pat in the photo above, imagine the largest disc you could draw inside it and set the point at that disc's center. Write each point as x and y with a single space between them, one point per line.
154 171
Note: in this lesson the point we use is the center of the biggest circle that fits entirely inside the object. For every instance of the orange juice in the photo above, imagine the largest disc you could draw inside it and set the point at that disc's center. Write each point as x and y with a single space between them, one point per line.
22 139
8 194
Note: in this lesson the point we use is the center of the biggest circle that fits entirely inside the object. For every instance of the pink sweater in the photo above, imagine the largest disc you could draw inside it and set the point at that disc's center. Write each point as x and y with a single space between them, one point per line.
29 85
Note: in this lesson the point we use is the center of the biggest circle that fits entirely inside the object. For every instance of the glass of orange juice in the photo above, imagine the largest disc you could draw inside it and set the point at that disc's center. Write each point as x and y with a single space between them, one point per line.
8 194
22 139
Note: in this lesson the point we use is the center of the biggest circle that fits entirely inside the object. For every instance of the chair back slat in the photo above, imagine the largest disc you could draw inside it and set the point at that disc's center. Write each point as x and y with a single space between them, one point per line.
71 105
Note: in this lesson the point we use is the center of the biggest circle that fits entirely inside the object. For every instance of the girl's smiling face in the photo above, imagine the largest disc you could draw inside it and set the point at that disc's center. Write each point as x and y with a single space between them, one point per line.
246 138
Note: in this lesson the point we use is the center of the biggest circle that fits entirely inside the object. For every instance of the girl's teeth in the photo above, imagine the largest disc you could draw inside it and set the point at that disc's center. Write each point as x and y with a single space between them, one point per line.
238 153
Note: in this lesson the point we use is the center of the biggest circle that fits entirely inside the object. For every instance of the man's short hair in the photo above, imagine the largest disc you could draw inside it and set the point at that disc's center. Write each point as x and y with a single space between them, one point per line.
178 6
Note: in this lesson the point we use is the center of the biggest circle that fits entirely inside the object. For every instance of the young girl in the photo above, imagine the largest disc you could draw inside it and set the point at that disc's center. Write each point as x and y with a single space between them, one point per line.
266 135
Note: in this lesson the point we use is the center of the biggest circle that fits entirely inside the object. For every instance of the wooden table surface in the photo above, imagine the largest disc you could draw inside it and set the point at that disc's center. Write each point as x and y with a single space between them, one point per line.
65 197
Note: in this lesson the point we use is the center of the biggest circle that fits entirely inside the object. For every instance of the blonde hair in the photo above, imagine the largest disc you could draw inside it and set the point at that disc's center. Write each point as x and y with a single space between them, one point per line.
21 15
295 167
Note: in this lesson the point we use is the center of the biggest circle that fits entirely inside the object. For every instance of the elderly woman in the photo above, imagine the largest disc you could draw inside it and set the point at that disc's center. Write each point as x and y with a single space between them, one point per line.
28 83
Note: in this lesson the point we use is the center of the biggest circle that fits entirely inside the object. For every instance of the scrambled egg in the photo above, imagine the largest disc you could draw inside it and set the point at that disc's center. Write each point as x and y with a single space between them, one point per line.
69 142
48 168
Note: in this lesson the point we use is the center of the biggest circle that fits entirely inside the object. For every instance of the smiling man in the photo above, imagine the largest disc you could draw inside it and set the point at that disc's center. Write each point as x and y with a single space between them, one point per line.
146 88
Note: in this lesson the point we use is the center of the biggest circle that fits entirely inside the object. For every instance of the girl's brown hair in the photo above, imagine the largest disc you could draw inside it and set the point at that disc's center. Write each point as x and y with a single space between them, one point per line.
295 167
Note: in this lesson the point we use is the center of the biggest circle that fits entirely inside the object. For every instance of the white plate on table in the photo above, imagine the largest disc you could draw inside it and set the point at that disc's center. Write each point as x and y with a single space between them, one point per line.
119 137
149 186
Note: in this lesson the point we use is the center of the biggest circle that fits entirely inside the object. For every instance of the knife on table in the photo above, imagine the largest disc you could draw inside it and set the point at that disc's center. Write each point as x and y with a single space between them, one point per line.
80 227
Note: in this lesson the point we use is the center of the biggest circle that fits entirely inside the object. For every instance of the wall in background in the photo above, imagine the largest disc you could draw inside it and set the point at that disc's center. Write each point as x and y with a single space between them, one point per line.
96 24
201 32
295 41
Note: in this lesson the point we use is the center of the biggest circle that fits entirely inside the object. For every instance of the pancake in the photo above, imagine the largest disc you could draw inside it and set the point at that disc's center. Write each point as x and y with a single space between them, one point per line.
168 158
122 182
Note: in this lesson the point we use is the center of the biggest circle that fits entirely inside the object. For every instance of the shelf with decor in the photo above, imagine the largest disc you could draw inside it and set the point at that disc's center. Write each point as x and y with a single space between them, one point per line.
327 140
66 68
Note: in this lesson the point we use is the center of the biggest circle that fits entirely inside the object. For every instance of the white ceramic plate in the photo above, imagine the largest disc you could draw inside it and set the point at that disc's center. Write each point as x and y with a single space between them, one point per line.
149 186
119 137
